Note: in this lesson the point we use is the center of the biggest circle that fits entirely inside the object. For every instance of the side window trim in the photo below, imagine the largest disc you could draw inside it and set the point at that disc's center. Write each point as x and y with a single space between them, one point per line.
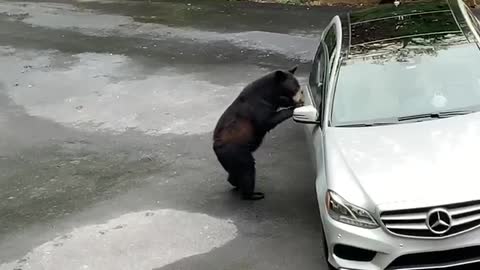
324 83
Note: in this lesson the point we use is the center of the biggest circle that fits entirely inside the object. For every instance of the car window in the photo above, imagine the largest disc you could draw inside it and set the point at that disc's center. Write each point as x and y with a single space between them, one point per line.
318 75
406 82
322 64
331 40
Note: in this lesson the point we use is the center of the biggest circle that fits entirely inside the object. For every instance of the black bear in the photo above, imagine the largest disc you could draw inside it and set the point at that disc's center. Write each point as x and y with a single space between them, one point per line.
242 127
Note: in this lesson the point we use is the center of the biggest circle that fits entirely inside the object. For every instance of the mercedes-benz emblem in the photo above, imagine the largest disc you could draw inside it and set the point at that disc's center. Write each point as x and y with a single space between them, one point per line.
439 221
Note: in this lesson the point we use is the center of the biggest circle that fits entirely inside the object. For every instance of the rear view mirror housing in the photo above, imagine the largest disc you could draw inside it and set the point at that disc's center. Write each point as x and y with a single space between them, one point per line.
306 115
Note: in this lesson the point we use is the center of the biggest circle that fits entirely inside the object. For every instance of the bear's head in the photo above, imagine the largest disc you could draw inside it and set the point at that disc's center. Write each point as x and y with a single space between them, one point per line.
288 87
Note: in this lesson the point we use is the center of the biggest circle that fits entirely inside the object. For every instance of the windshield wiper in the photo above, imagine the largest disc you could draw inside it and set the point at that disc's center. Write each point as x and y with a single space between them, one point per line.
372 124
417 117
436 115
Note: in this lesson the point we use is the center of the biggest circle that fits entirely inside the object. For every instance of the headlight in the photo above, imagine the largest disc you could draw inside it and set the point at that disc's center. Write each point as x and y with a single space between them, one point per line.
342 211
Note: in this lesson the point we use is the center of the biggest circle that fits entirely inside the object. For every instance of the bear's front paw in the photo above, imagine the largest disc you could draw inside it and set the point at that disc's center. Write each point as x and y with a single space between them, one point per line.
299 104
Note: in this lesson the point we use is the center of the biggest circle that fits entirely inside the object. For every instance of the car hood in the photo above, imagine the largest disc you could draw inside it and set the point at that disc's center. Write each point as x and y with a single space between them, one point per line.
413 164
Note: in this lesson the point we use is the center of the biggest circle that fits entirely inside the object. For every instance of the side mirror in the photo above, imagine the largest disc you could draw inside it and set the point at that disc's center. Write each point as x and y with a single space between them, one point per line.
306 115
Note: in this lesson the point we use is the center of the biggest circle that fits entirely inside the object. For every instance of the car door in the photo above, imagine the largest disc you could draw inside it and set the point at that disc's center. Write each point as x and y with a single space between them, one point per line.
318 86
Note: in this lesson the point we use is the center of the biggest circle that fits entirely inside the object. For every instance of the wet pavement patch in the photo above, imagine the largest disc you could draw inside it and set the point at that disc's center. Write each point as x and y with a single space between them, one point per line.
131 241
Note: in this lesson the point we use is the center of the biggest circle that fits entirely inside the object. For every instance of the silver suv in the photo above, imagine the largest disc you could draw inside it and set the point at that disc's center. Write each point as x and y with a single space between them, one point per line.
392 118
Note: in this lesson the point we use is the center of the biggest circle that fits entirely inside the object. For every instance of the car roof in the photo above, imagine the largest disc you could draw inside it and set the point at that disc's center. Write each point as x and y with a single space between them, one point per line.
367 31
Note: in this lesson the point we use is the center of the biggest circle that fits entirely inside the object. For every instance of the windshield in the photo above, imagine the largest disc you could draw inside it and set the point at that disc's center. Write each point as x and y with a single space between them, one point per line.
401 81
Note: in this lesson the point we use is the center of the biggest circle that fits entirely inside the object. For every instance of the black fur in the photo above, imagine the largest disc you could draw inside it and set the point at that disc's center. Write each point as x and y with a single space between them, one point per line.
242 127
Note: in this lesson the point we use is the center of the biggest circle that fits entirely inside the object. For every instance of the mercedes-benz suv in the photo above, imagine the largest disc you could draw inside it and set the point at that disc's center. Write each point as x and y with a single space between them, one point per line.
392 118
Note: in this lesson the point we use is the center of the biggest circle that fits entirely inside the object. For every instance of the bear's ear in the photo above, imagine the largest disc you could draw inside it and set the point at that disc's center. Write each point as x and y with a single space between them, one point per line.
280 75
292 70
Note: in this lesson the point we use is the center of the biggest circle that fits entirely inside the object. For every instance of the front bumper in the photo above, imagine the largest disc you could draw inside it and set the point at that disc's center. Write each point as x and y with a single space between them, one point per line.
388 247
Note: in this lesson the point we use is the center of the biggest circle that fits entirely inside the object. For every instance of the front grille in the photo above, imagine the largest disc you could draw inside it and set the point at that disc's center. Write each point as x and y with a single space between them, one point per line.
413 223
463 258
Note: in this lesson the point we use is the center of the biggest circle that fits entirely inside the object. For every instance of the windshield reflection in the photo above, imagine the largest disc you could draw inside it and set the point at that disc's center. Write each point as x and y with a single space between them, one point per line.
428 69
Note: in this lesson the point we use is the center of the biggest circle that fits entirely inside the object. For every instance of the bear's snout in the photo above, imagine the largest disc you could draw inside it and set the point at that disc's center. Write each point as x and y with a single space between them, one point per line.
299 98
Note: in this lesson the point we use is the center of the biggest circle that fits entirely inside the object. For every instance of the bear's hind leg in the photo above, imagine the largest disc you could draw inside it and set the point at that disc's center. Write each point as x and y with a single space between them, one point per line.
226 155
238 161
233 181
247 186
246 177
